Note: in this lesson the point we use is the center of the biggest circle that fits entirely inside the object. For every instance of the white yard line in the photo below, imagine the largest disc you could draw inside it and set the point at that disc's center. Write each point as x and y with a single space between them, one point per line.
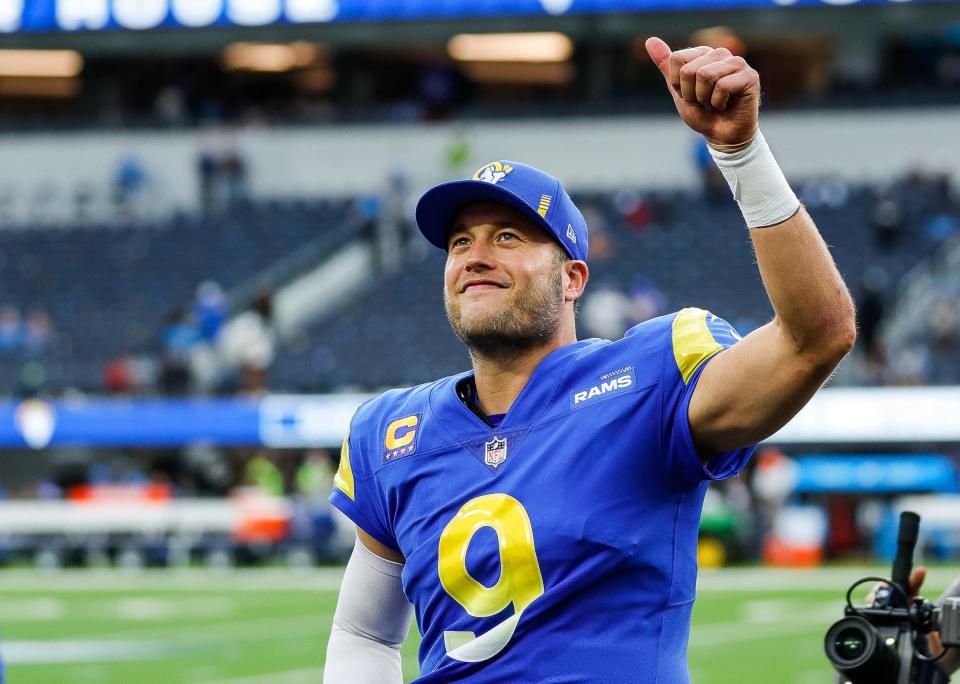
38 609
309 675
328 579
190 579
813 579
86 651
233 630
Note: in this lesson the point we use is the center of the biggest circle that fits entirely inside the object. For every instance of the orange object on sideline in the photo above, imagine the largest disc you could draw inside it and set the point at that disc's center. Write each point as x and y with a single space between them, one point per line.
779 554
153 492
260 519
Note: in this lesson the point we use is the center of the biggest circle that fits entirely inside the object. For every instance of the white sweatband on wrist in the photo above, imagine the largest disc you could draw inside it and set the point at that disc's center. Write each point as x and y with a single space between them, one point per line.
758 184
371 622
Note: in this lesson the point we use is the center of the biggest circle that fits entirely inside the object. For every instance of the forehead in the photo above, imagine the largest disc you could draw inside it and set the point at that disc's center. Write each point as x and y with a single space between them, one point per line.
491 213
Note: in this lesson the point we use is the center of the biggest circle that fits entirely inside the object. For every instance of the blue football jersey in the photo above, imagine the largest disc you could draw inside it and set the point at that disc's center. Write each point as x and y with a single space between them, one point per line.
560 546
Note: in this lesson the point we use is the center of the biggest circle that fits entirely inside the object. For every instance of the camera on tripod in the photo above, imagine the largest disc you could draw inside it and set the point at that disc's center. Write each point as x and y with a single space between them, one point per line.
885 642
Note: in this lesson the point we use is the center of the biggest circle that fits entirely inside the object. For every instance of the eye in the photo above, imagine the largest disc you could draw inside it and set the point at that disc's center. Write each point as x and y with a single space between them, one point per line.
507 235
459 242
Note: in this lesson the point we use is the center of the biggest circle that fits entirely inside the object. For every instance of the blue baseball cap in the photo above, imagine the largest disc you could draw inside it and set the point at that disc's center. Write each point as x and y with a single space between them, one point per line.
535 194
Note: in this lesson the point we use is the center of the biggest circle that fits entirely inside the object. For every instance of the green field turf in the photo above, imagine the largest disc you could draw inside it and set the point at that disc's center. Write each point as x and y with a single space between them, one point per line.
270 627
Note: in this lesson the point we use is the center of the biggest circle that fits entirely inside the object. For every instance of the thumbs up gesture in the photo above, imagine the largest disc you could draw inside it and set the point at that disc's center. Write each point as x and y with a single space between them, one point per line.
716 93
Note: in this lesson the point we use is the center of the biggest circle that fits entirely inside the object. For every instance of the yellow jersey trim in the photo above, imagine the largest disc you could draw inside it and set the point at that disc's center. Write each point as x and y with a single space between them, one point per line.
693 342
343 480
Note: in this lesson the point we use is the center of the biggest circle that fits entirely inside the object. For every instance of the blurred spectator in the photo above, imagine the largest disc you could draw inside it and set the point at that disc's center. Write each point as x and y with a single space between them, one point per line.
872 371
223 177
394 230
83 199
942 226
233 173
712 183
824 192
11 329
601 245
606 311
944 325
909 366
129 184
887 220
634 210
773 481
313 515
249 343
210 309
179 335
170 106
37 332
47 489
314 477
208 171
646 301
178 339
43 203
262 473
118 377
366 209
870 307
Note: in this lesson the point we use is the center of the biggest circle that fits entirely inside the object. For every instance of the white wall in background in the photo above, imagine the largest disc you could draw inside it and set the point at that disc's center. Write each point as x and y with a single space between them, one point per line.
595 153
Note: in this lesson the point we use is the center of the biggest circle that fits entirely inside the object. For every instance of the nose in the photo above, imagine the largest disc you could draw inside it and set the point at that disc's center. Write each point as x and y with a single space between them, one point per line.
479 258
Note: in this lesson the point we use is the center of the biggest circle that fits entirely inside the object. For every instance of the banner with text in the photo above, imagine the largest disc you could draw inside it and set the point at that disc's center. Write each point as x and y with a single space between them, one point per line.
95 15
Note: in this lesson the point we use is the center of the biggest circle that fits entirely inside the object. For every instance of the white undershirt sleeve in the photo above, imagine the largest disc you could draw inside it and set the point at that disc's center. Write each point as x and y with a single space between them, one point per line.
371 622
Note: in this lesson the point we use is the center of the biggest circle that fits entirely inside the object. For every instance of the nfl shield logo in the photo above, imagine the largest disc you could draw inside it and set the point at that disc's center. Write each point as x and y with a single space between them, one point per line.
495 452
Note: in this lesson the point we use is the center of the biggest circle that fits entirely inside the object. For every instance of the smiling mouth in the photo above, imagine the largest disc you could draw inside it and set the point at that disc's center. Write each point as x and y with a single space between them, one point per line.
482 286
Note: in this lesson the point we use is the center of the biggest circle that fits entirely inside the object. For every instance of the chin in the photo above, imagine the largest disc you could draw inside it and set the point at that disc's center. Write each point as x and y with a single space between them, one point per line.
478 324
478 313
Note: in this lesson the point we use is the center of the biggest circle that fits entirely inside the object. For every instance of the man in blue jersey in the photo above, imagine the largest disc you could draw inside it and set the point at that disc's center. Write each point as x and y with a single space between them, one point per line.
540 512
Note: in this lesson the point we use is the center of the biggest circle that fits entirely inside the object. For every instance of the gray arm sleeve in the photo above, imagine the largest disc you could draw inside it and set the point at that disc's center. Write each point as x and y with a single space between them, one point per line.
371 621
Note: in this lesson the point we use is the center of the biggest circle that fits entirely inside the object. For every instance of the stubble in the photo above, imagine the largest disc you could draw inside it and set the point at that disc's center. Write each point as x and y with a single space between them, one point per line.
526 322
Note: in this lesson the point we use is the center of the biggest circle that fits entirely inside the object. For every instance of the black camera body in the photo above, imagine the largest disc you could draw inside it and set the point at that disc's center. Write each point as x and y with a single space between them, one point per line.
885 642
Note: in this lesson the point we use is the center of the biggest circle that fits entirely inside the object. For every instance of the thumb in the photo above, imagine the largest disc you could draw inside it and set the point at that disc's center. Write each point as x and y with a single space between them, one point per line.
916 580
659 52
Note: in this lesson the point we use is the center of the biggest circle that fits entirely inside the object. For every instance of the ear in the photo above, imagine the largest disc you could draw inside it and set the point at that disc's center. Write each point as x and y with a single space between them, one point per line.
578 273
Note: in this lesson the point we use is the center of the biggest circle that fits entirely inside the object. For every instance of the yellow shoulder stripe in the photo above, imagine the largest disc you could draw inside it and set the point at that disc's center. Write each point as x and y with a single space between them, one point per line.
343 480
693 342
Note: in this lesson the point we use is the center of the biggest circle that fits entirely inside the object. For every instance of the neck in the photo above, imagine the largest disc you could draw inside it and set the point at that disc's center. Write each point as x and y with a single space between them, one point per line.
501 378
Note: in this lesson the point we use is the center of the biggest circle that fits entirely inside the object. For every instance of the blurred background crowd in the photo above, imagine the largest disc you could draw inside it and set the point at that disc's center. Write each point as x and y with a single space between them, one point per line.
226 215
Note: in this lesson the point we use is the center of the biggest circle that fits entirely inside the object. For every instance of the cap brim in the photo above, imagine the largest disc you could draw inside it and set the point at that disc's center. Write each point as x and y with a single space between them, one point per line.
440 205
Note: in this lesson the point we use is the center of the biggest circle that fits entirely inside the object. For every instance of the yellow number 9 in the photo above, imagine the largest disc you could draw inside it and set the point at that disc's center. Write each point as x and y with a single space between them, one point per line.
520 580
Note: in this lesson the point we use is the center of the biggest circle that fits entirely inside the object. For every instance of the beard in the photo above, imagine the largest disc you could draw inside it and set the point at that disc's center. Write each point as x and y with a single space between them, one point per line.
530 320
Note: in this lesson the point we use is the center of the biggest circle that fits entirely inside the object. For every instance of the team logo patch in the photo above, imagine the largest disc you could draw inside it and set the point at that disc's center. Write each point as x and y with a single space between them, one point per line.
571 234
401 437
616 382
494 172
495 452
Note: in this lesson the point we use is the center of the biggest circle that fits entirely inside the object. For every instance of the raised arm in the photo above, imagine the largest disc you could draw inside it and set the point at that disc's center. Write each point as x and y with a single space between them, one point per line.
753 388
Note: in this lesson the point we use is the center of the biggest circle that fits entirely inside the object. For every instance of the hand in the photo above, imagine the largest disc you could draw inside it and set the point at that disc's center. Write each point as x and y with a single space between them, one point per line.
950 662
716 93
915 581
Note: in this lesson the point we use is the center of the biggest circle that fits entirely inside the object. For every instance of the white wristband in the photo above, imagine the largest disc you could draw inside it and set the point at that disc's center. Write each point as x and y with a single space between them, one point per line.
758 184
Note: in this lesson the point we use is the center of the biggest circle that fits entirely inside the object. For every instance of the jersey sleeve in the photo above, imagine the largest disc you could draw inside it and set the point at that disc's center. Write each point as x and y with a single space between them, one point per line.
696 337
356 494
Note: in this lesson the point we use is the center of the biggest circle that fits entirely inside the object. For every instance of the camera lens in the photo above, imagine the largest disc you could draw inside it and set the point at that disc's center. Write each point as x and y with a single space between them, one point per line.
850 643
858 651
